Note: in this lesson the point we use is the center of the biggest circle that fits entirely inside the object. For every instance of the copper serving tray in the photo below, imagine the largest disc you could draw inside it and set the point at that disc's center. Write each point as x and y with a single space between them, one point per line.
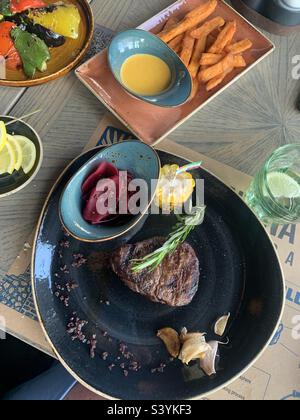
150 123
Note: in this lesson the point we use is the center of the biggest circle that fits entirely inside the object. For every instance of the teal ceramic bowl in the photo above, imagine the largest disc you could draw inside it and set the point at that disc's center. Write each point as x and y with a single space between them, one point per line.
141 161
135 41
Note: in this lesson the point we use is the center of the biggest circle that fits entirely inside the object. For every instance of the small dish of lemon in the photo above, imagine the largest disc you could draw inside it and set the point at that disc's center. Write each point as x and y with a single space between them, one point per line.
20 155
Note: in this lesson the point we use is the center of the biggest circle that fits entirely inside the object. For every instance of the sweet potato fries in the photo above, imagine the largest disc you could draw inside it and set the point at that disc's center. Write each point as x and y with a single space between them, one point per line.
206 44
191 20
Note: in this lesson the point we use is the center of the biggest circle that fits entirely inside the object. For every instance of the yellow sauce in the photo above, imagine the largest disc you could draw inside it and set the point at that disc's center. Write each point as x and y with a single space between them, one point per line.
145 74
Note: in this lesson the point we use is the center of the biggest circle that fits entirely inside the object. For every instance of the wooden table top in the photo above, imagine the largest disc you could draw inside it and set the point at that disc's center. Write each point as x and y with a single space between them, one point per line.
240 128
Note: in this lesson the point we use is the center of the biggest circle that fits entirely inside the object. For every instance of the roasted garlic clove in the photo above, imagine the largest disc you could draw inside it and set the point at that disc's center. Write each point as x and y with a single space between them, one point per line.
194 347
185 335
171 340
221 325
208 363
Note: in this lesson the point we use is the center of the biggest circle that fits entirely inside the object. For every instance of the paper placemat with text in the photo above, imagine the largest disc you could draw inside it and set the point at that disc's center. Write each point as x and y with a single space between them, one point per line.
275 376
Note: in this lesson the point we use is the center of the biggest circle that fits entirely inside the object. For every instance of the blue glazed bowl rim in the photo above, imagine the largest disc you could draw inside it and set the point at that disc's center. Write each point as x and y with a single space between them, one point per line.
136 220
147 98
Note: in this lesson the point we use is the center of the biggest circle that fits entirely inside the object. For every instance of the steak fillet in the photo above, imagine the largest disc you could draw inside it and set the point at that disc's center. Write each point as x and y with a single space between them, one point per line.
174 282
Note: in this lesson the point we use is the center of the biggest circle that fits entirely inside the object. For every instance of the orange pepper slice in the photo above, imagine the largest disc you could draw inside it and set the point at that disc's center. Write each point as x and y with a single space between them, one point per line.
7 48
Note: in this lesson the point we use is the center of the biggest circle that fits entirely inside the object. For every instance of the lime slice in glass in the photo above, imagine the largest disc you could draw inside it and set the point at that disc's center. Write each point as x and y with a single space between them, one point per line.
282 185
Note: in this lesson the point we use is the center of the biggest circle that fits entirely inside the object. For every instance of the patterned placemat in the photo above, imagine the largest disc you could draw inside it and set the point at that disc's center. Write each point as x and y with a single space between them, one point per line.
101 39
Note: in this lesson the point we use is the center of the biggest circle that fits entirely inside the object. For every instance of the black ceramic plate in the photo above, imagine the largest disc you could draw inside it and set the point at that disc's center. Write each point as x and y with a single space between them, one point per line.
240 274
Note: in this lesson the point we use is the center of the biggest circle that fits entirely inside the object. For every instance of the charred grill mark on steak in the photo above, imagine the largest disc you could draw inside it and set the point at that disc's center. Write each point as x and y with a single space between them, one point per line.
174 282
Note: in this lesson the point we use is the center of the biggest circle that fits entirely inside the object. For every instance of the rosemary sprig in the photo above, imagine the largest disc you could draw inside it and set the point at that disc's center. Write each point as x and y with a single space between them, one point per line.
186 224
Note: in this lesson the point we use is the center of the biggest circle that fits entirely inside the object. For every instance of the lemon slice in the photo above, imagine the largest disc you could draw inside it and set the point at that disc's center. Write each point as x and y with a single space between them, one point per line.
7 159
28 153
283 186
3 135
17 150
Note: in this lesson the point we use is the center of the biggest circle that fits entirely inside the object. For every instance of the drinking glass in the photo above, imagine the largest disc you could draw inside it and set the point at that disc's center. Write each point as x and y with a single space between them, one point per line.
274 194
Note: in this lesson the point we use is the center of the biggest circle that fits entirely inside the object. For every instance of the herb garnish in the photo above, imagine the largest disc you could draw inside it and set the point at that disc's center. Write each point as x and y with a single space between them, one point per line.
186 224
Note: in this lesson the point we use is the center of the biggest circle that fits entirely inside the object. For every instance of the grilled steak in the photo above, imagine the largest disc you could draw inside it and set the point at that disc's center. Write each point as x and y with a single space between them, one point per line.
174 282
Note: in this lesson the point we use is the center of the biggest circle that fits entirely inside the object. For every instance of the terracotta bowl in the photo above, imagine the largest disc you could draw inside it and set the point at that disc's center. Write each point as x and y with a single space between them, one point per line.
59 65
